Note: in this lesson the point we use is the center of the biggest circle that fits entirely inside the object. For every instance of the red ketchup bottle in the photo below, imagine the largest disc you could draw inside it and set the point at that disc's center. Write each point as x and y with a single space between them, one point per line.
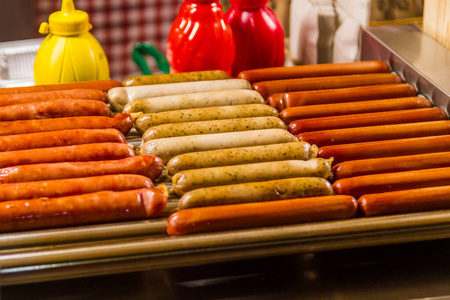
258 35
200 39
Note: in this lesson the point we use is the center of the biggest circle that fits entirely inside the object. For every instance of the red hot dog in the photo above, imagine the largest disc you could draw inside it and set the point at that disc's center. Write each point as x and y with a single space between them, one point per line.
60 138
372 92
121 122
88 94
267 88
368 119
374 133
409 201
85 152
146 165
103 85
318 70
100 207
72 186
291 114
250 215
387 148
57 108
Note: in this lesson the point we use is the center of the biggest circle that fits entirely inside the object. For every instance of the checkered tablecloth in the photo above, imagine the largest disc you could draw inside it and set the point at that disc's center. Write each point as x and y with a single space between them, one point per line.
120 24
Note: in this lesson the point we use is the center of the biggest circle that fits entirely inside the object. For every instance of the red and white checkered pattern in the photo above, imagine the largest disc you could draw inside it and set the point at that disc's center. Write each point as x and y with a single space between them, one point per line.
119 24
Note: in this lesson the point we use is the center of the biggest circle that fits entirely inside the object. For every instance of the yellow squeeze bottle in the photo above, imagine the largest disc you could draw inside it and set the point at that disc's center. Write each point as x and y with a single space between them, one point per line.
69 53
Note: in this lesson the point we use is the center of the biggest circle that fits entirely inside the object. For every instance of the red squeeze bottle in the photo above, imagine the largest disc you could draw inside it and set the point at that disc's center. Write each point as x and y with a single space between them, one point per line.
258 35
200 39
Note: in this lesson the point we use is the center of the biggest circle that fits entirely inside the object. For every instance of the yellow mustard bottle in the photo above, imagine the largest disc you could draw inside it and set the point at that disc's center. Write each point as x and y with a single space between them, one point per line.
69 53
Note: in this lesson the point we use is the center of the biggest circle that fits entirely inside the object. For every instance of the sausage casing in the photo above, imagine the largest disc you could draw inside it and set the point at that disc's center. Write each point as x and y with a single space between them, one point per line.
242 155
146 165
213 126
72 186
188 180
327 110
252 215
99 207
194 100
167 148
60 138
175 77
256 192
367 119
146 121
409 201
103 85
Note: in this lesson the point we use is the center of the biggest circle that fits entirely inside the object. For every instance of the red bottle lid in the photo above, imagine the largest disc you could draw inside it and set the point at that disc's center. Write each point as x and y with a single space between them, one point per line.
249 3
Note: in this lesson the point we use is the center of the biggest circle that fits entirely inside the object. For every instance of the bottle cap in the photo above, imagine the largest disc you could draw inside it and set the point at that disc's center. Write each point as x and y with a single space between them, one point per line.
66 22
249 3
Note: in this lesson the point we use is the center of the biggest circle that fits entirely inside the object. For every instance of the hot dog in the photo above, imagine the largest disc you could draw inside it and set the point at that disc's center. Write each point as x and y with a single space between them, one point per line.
327 110
146 165
256 192
194 100
390 164
372 92
60 138
146 121
175 77
251 215
120 96
100 207
56 108
214 126
409 201
188 180
89 94
84 152
367 119
103 85
167 148
387 148
318 70
267 88
374 133
242 155
72 186
121 122
388 182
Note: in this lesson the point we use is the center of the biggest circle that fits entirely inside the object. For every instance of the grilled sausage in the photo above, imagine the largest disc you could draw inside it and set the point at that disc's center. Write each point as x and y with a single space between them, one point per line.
318 70
327 110
194 100
146 121
388 182
267 88
146 165
188 180
89 94
409 201
167 148
56 108
367 119
103 85
374 133
120 96
100 207
177 77
252 215
72 186
214 126
121 122
256 192
387 148
243 155
60 138
372 92
369 166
